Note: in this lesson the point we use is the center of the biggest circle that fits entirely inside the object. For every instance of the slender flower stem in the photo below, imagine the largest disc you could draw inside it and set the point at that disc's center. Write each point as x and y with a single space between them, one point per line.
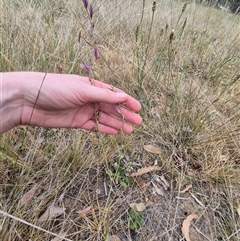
93 43
142 70
34 105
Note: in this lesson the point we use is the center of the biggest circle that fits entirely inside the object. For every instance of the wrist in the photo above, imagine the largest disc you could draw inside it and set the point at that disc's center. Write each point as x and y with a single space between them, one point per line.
11 102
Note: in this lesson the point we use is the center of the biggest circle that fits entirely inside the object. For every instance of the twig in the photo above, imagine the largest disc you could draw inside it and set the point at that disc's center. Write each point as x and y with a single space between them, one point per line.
197 200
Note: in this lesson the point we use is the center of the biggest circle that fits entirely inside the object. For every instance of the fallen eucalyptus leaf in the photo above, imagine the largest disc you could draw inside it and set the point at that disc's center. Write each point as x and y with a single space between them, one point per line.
186 189
51 213
61 237
144 170
139 207
85 210
28 196
152 149
113 238
186 225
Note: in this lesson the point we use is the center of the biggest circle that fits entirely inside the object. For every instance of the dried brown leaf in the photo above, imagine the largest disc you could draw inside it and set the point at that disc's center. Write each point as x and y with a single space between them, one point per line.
142 182
152 149
186 189
144 170
113 238
61 237
186 225
139 207
85 210
51 213
28 196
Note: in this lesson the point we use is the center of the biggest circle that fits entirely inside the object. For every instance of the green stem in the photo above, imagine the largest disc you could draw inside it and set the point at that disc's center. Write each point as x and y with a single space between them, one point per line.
142 75
140 32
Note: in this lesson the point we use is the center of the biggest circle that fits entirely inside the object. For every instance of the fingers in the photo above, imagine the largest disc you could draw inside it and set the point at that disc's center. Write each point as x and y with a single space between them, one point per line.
105 123
105 95
108 129
119 124
122 113
91 125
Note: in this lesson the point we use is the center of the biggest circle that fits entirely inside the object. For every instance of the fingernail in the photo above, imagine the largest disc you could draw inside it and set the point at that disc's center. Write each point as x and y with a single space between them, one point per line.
121 95
117 90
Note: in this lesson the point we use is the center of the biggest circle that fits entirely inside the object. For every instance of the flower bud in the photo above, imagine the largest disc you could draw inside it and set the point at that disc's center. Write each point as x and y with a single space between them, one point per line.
60 69
79 36
96 53
90 31
85 2
85 66
96 41
91 11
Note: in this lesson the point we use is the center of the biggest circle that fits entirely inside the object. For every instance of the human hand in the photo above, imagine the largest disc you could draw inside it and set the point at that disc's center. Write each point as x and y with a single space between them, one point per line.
70 101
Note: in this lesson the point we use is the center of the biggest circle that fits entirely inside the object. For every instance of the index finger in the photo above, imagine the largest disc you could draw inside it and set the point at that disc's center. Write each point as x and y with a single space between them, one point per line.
130 103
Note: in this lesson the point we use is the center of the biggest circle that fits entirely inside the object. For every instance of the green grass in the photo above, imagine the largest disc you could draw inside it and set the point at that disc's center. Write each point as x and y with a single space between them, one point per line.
189 90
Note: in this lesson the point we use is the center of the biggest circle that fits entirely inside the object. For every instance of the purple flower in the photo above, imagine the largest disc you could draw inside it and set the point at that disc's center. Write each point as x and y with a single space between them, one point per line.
96 53
60 69
85 66
91 11
85 2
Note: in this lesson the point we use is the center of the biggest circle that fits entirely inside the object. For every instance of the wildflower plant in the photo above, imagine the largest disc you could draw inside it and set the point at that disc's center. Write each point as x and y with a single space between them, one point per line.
89 67
92 42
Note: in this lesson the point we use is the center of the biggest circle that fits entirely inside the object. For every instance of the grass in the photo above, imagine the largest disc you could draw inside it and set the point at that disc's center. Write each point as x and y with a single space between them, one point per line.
189 89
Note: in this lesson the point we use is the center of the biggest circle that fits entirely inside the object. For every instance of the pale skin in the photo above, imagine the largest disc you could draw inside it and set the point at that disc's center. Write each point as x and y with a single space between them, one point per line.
64 101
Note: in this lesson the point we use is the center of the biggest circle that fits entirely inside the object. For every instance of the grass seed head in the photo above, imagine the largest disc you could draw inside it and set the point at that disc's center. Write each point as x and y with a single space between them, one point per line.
137 32
154 6
79 36
184 7
184 23
172 35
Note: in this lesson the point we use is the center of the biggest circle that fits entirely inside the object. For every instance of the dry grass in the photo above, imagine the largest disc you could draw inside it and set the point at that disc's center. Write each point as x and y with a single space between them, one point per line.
189 89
